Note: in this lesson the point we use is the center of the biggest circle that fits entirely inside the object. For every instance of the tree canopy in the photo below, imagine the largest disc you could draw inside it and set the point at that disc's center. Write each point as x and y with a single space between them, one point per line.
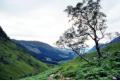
87 21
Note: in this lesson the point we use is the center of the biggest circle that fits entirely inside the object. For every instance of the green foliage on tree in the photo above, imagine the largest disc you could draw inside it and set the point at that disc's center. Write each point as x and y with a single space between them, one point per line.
87 21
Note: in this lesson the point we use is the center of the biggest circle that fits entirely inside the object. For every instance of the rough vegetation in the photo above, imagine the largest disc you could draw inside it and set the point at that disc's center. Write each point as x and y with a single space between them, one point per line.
106 68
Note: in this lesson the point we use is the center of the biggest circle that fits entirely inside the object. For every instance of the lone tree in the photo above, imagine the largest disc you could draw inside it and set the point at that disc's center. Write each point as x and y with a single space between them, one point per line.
87 21
75 43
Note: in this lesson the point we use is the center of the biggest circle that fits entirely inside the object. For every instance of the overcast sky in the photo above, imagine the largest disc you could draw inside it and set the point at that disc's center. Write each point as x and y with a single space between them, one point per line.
44 20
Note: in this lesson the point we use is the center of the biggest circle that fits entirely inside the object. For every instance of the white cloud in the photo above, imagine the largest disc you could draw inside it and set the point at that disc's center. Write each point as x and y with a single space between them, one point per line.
44 20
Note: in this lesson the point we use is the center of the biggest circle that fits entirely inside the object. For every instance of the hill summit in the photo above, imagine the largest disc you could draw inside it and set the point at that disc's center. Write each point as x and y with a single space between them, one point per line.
3 35
15 62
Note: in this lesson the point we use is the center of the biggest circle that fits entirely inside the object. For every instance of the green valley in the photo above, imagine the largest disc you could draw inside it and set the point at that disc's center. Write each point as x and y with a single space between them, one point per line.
37 41
106 68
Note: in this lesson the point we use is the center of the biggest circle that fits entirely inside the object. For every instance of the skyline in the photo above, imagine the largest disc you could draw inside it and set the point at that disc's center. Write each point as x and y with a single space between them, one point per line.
45 20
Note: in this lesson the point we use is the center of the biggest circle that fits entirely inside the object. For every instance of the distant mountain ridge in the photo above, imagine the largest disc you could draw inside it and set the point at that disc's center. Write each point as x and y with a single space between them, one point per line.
116 40
94 48
44 52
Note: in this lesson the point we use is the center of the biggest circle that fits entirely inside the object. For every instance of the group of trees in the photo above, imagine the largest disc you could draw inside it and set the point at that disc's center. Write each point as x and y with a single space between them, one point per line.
88 21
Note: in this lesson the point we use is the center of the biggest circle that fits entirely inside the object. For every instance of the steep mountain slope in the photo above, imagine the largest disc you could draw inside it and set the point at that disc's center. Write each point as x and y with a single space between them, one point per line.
44 52
16 63
116 40
106 68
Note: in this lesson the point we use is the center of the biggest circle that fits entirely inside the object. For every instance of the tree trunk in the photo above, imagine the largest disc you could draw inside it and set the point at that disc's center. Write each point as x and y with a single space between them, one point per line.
84 58
98 49
80 55
97 44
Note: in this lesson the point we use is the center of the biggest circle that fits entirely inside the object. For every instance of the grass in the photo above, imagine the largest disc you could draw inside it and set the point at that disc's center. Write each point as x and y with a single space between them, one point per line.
15 63
106 68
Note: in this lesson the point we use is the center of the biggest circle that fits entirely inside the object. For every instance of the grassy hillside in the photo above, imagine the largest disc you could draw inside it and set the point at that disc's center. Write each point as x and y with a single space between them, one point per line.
104 69
14 62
